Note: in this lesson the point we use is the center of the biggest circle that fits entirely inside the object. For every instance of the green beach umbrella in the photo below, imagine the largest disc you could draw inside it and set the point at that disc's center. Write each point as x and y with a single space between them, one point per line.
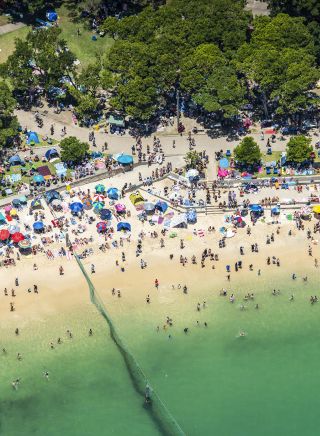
100 188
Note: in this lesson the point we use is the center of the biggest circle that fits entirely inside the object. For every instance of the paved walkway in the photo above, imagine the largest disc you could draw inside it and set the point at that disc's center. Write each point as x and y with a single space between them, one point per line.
11 27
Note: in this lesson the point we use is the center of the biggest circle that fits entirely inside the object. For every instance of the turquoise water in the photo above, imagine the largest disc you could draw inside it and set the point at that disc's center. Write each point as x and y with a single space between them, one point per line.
212 380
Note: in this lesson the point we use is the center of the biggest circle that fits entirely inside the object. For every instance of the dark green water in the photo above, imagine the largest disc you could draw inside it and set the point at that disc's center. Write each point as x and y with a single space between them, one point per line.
212 380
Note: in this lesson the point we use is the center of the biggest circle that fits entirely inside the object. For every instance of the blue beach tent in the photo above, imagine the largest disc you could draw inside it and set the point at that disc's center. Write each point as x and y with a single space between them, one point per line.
33 138
123 226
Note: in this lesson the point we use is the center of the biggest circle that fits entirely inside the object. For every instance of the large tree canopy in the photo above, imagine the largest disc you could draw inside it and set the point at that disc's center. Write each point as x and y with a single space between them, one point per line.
299 149
8 122
73 150
247 152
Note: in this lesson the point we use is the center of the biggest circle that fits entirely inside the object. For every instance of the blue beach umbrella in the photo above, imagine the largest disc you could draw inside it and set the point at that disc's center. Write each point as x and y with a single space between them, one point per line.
162 206
255 208
224 163
101 227
38 225
76 207
125 159
105 214
123 226
113 193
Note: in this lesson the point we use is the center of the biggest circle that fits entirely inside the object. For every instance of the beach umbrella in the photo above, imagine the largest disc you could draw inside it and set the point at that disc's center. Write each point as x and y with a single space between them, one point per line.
2 219
192 173
123 226
4 234
98 205
23 199
120 207
76 207
99 197
316 209
125 159
38 225
162 206
149 207
38 178
87 203
255 208
16 202
113 193
13 212
100 188
8 208
36 204
24 244
17 237
275 210
13 229
56 203
101 227
224 163
105 214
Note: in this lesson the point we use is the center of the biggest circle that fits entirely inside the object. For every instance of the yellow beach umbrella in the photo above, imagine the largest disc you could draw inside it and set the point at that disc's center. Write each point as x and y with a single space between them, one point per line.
316 209
13 212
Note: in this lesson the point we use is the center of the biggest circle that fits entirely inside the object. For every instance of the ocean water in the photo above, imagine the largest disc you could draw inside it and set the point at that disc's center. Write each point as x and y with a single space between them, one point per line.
211 380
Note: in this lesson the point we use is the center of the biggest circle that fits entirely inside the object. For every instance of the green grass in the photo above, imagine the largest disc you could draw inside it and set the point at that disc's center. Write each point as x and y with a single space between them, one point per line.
7 42
82 46
4 20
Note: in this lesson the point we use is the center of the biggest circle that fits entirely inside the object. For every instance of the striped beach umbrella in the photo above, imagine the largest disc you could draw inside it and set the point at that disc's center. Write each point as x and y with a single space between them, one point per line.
99 197
101 227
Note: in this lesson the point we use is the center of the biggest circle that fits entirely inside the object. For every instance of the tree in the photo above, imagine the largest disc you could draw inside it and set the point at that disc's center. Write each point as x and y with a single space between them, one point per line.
307 8
299 149
193 159
247 152
40 60
8 122
73 150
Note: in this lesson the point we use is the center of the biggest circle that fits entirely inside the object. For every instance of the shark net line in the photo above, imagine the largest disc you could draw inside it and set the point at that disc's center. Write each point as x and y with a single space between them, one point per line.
163 419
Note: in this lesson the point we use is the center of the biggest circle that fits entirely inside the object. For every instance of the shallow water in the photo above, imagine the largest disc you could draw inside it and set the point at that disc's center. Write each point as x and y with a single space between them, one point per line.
212 380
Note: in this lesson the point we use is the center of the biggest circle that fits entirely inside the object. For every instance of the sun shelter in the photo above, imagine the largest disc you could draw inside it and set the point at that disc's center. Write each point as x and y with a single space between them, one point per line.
2 219
38 178
23 199
51 154
113 193
120 208
15 160
162 206
149 207
99 198
52 195
115 120
32 138
256 208
136 198
13 228
123 226
191 216
25 244
17 237
97 206
316 209
38 226
179 221
87 203
223 163
105 214
16 202
36 204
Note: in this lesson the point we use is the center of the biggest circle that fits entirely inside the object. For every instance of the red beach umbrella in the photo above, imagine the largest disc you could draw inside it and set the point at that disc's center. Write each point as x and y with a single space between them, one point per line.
4 234
17 237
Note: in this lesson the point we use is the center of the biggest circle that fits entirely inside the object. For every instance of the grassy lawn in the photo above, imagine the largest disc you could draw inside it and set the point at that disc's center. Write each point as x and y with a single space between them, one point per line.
4 20
7 42
82 46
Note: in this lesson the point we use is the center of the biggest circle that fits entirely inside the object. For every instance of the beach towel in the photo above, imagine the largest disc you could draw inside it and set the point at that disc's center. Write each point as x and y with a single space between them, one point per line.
201 233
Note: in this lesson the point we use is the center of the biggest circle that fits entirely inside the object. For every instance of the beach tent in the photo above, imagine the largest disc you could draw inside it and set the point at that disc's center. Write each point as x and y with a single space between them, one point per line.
36 204
32 138
123 226
96 154
2 219
52 16
275 210
136 198
105 214
179 221
16 202
223 163
116 120
52 195
76 207
192 173
113 193
255 208
15 160
149 207
38 178
125 159
23 199
316 209
38 226
25 244
162 206
51 154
